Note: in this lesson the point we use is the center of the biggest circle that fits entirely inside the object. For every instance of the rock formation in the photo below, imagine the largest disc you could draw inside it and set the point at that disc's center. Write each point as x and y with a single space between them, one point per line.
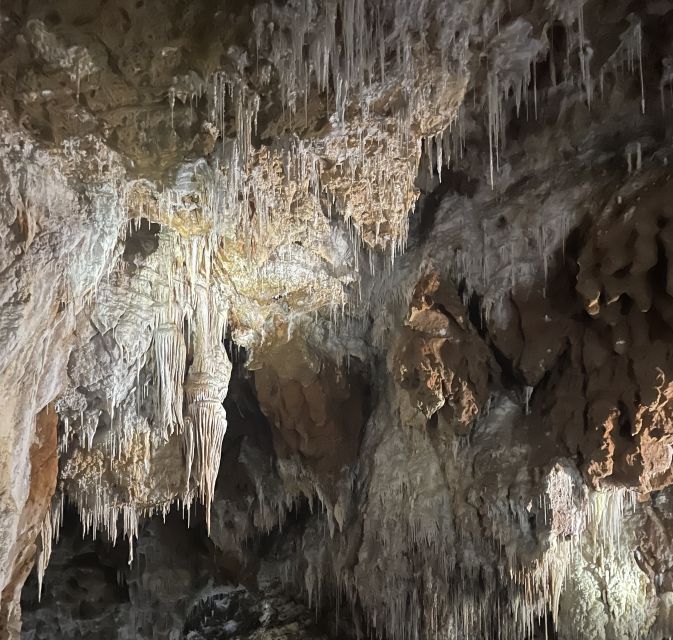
336 319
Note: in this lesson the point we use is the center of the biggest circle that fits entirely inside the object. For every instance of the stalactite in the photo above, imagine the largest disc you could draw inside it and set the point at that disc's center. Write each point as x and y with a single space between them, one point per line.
629 55
170 355
205 390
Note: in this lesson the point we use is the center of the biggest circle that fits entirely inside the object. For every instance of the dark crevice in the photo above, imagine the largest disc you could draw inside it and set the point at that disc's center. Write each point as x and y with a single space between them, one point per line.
142 239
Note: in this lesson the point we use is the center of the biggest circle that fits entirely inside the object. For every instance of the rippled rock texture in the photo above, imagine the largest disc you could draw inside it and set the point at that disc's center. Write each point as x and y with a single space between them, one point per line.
336 319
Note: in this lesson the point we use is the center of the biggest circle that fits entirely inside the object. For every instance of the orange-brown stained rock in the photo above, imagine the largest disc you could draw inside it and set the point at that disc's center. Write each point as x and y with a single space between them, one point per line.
315 410
605 376
613 409
601 461
438 359
653 432
44 469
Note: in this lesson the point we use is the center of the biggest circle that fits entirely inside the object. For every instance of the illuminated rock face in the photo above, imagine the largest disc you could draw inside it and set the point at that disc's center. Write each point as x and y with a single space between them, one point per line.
375 295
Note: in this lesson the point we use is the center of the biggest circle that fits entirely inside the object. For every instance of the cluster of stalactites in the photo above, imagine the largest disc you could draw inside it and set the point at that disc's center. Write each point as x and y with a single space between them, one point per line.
628 55
512 67
581 522
99 511
205 390
191 316
345 47
362 59
508 601
49 531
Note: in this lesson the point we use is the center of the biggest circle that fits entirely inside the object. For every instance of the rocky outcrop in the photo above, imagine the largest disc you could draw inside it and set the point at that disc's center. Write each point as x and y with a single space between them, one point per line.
440 360
316 408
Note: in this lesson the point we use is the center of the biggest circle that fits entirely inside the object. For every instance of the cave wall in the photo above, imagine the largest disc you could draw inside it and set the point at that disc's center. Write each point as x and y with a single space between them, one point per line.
413 258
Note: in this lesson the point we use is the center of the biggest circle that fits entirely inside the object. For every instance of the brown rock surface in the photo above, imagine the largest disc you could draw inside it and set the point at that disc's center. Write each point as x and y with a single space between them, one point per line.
439 359
43 476
316 409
